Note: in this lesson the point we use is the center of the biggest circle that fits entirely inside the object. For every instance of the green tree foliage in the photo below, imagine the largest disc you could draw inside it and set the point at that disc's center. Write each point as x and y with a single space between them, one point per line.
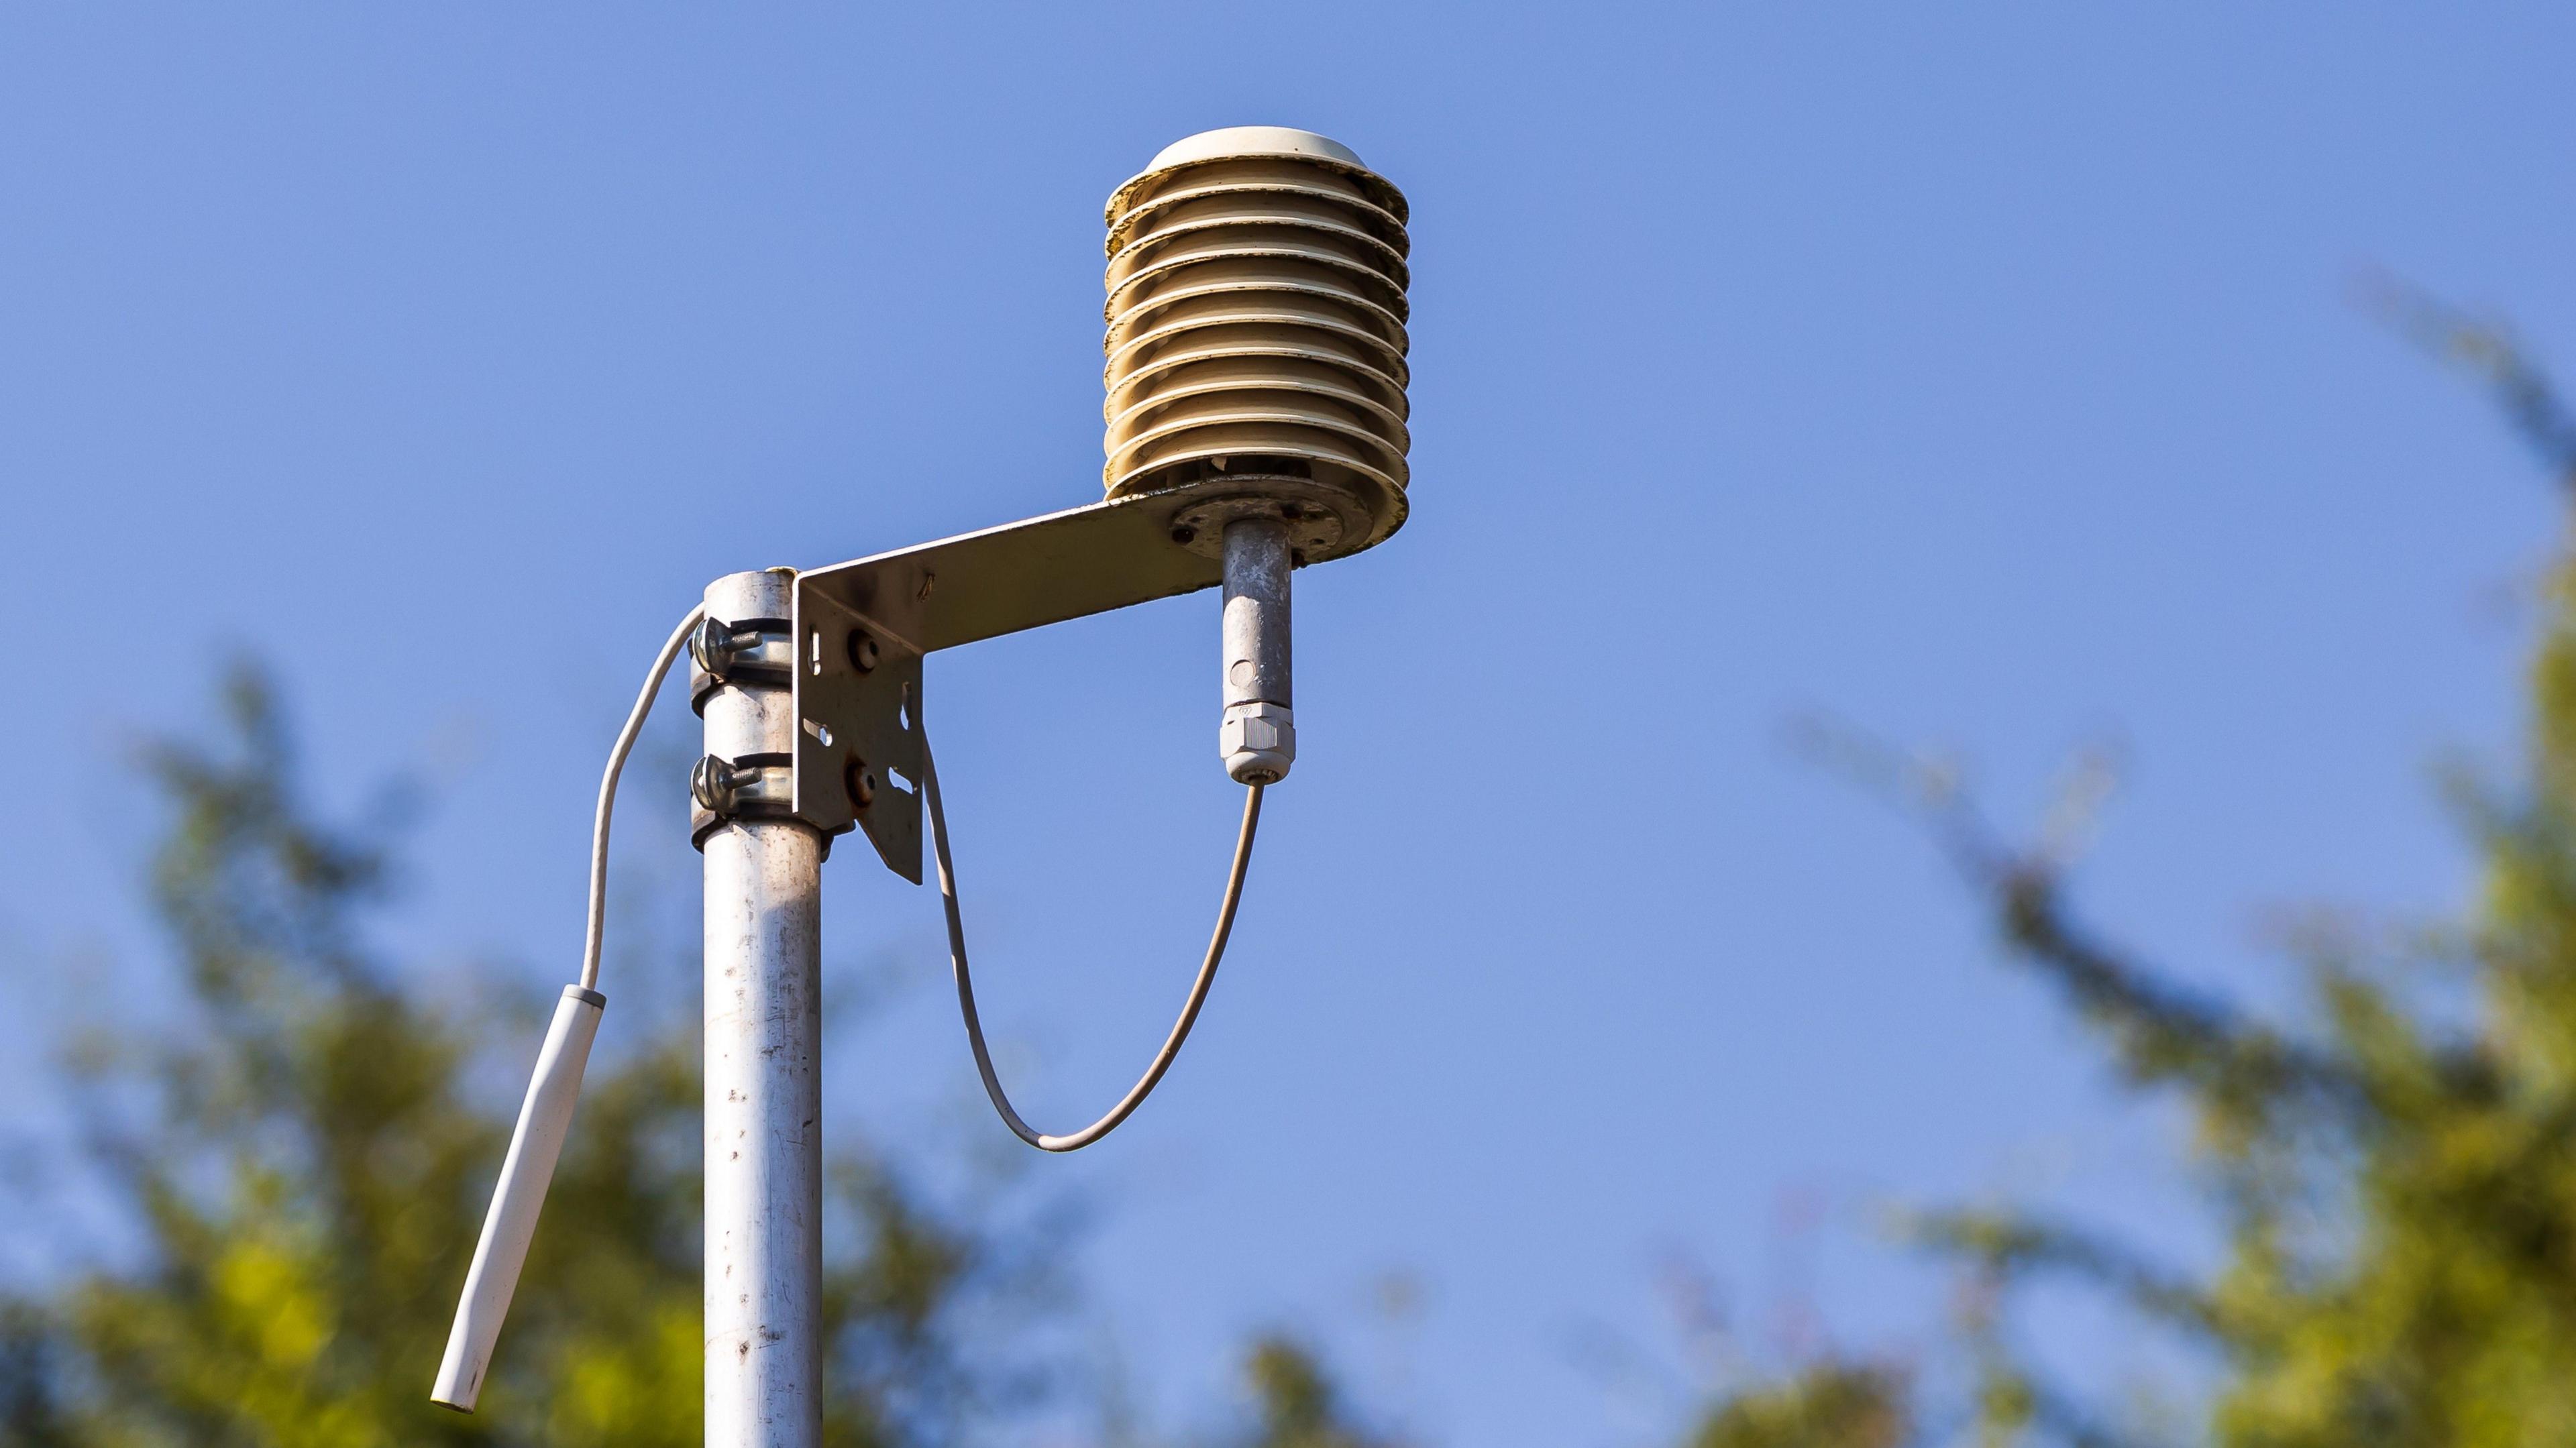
1297 1406
2394 1171
1834 1405
306 1178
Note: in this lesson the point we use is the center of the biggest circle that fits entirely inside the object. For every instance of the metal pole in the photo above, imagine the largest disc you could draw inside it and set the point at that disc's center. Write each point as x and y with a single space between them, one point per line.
764 1159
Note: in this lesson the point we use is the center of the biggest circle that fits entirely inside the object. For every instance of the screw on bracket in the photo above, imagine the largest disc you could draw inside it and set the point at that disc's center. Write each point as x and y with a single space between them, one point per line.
712 784
757 649
758 785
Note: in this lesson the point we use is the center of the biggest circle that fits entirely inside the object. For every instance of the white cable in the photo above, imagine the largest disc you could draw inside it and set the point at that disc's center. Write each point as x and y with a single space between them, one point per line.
1163 1058
608 794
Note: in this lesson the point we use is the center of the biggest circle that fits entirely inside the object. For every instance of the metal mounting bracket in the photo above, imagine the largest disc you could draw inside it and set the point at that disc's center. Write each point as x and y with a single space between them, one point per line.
855 734
858 756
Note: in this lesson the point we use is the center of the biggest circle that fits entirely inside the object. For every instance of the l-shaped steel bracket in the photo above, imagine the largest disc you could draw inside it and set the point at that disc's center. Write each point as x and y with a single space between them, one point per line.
861 628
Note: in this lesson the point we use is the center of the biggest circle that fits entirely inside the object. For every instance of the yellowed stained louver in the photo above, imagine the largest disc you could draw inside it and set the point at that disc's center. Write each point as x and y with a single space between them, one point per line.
1256 315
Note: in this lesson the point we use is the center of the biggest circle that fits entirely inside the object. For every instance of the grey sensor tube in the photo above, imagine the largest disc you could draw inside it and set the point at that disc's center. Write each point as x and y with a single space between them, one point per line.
1258 735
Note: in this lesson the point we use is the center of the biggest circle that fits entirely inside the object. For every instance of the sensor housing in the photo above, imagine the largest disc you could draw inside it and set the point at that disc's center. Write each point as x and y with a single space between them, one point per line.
1256 313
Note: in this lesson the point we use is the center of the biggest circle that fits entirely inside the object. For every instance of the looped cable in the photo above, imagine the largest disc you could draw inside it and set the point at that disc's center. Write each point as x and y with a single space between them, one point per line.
1163 1058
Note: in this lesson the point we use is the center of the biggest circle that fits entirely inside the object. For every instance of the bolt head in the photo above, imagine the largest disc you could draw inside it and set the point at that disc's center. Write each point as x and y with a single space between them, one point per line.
711 784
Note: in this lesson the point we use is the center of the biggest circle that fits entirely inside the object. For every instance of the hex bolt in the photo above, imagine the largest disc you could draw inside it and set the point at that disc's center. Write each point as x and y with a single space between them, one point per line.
863 650
860 782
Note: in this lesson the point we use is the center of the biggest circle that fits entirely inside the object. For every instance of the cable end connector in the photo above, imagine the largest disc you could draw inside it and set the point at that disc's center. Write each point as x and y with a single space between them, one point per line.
1258 741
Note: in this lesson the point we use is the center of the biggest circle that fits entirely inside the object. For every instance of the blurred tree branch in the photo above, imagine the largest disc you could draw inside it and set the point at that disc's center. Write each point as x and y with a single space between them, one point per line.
2488 348
2396 1177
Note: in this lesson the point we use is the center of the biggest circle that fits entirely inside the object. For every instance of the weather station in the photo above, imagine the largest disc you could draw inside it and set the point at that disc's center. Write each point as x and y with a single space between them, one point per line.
1256 425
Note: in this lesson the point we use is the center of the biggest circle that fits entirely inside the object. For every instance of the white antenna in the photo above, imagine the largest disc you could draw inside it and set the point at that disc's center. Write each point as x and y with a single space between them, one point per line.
1256 424
512 1222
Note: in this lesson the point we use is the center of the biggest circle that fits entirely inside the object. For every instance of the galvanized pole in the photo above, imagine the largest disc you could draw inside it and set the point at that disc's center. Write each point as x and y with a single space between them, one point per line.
764 1159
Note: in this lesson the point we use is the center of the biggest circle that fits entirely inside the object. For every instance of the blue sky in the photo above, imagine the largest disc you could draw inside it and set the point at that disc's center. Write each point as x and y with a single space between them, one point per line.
1987 375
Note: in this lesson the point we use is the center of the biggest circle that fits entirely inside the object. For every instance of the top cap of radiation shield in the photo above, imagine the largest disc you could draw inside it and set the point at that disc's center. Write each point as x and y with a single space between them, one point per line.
1232 142
1253 141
